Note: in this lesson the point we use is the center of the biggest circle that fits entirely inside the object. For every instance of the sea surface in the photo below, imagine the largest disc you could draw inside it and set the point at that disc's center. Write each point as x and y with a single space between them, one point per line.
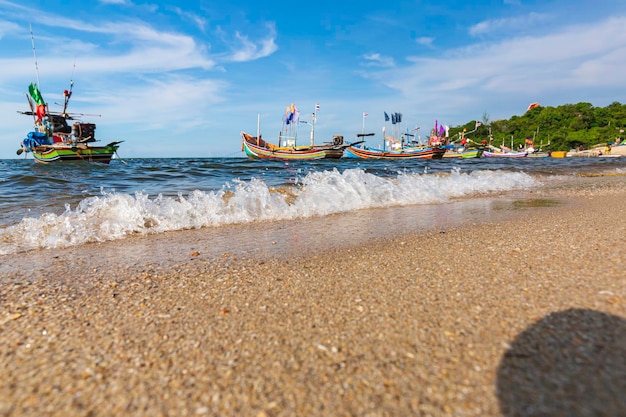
43 207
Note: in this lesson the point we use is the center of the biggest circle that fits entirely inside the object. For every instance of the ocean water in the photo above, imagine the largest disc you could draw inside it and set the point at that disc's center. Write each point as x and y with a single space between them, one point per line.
43 207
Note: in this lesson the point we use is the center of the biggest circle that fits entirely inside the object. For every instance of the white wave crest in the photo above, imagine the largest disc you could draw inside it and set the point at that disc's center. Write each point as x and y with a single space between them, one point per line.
113 216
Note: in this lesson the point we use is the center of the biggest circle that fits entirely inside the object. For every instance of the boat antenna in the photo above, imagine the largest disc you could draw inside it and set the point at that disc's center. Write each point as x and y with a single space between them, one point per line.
32 38
67 94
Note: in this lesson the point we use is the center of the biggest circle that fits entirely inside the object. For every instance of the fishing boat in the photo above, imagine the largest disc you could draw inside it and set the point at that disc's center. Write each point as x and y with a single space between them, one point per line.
465 147
255 147
464 153
532 151
366 152
53 139
394 149
503 153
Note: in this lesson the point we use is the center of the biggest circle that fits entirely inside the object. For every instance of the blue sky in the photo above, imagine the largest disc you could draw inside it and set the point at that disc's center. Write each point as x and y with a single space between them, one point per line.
182 79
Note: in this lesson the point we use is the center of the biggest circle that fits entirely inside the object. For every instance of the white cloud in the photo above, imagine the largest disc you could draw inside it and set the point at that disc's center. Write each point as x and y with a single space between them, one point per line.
377 60
425 41
192 17
507 25
247 50
7 27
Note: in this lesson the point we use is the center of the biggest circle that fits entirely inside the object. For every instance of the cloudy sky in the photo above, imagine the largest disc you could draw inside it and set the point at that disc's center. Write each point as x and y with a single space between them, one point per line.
181 79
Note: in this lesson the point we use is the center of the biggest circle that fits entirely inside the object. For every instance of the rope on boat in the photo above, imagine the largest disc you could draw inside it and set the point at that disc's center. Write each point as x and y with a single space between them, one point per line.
118 157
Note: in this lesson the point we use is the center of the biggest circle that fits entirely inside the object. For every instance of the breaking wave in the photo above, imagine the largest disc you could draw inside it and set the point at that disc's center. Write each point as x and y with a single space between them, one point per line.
112 215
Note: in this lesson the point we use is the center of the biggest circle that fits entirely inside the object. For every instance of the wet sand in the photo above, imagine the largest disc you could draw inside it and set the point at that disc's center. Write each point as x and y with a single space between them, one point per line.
509 305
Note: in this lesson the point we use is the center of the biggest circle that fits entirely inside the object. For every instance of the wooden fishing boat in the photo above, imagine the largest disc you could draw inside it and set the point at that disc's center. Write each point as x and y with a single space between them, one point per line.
56 148
365 152
503 151
404 148
538 154
53 139
463 153
257 148
503 154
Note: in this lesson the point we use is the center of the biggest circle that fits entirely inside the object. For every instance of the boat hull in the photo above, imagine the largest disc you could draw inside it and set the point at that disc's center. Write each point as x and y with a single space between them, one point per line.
81 152
267 151
472 153
488 154
425 153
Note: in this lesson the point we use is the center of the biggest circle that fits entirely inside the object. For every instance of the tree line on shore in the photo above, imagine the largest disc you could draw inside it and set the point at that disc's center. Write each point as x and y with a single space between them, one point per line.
565 127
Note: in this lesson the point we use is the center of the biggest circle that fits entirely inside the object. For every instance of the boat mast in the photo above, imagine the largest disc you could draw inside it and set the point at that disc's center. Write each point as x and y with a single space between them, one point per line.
258 129
313 118
363 125
32 38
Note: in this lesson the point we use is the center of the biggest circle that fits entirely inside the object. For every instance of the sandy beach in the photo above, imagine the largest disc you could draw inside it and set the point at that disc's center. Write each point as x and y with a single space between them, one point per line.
510 305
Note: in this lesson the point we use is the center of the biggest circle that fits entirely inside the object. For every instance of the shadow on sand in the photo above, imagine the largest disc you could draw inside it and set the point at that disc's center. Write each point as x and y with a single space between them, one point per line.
570 363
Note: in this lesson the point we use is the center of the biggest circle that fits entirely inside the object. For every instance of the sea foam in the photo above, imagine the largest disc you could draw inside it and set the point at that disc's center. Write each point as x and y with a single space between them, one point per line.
113 215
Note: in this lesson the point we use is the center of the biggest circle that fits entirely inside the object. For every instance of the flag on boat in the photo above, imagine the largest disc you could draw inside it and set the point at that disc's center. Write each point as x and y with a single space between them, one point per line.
529 142
393 118
317 106
36 95
40 111
398 117
364 115
386 117
291 114
478 124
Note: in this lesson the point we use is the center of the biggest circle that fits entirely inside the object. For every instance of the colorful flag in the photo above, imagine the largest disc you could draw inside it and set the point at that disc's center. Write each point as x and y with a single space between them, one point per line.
317 106
35 94
41 111
288 115
478 124
364 115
